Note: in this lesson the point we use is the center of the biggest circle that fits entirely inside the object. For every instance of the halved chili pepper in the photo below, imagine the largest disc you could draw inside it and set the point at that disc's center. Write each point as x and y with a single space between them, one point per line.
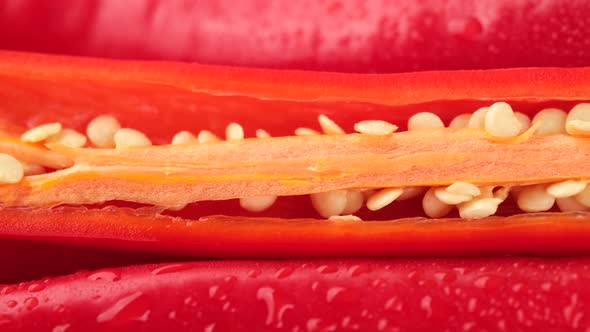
367 36
169 97
501 294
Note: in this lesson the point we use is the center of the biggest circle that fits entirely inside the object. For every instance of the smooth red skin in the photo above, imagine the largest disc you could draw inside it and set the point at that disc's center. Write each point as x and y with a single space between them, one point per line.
339 35
257 238
502 294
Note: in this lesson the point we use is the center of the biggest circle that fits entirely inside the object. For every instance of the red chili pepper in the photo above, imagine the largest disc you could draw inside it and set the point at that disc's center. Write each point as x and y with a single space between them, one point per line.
367 36
85 88
501 294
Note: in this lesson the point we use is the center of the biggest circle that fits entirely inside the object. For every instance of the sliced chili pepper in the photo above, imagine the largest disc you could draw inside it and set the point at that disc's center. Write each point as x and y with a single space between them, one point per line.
367 36
502 294
164 95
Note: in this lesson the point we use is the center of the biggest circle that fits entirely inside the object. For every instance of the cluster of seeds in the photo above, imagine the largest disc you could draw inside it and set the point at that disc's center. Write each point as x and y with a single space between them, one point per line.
472 202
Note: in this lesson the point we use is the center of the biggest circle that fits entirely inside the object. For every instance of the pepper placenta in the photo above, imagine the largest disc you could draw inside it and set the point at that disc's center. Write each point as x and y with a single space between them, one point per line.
338 35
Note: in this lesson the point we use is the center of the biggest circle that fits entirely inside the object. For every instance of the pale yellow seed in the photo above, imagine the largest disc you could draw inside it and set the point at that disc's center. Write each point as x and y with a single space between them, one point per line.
463 188
101 131
261 133
433 207
450 198
329 126
584 196
349 217
570 204
354 201
68 137
566 188
331 203
11 170
501 122
479 208
41 133
382 198
552 121
184 137
32 169
128 138
306 132
257 203
425 120
205 136
524 120
375 127
478 119
535 199
577 122
411 192
234 132
460 121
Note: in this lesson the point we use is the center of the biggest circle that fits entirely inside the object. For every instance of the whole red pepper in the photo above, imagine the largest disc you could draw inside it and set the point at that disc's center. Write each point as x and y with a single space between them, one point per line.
338 35
502 294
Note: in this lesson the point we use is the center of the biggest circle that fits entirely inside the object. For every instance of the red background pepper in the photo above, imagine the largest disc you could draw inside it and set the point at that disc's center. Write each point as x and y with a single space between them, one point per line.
340 35
502 294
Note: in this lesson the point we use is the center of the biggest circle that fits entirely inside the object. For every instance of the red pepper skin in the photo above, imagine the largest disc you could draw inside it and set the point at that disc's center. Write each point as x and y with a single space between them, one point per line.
255 238
339 35
501 294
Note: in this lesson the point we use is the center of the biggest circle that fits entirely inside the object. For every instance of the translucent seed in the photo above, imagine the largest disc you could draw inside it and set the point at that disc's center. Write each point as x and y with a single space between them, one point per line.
375 127
433 207
460 121
382 198
205 136
584 196
184 137
535 199
354 201
411 192
425 120
501 122
349 217
478 119
524 120
11 170
101 131
463 188
329 126
566 188
234 132
552 121
40 133
261 133
450 198
127 138
571 204
306 132
331 203
32 169
258 203
577 122
479 208
68 137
